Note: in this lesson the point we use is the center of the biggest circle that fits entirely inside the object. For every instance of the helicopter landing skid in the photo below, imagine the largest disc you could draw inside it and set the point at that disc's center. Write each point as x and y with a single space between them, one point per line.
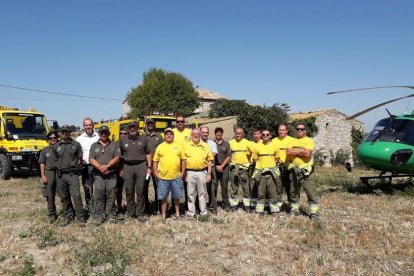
365 179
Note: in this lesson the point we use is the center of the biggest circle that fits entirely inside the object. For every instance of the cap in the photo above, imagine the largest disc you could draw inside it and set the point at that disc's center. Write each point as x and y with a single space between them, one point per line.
150 120
64 128
133 123
168 129
103 128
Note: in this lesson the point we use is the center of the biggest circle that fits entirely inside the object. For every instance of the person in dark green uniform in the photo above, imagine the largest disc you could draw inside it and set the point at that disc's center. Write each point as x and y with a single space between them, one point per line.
136 154
154 139
47 161
69 166
104 157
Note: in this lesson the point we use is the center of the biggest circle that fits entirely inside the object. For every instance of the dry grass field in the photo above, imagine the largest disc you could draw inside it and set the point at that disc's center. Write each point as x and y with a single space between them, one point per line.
362 231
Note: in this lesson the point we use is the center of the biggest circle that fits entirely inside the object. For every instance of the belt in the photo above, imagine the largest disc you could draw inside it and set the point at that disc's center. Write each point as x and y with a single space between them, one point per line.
51 169
74 170
199 170
133 162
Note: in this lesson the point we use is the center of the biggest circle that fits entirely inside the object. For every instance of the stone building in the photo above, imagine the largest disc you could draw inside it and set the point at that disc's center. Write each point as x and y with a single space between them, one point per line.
334 131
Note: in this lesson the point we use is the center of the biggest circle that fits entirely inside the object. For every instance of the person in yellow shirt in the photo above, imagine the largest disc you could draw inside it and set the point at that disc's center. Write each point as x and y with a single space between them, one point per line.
266 173
181 136
198 168
169 169
300 156
283 141
239 169
181 133
257 138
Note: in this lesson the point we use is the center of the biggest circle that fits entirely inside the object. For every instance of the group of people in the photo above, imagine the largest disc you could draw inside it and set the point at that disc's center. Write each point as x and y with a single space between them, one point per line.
183 162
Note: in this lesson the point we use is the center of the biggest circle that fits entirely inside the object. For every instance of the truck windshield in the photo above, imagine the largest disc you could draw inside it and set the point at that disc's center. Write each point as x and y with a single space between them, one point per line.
25 125
393 130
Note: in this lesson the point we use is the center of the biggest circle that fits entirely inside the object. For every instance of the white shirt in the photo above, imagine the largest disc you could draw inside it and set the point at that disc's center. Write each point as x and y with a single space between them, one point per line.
86 142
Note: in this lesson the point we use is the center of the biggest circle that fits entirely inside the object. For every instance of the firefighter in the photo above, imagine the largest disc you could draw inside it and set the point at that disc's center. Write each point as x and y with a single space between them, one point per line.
283 141
266 174
47 161
69 167
257 138
300 156
104 157
239 169
136 155
154 139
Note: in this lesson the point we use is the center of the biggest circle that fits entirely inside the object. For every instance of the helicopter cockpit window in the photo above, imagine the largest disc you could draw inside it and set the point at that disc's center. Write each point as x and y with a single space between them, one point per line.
396 130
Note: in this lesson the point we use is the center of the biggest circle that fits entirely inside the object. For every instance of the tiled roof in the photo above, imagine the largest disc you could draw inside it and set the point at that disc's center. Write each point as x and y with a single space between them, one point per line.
303 115
208 95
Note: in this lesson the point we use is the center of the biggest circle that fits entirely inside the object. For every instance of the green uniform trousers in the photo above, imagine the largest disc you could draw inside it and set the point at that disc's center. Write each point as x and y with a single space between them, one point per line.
271 186
69 189
306 182
104 196
223 179
134 183
240 179
286 182
51 193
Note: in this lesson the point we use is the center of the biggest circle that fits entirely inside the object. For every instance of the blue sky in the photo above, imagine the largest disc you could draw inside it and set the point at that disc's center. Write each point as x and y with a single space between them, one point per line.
263 51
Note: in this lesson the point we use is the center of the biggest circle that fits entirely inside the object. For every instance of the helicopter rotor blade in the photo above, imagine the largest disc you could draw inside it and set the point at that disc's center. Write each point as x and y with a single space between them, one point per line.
376 106
371 88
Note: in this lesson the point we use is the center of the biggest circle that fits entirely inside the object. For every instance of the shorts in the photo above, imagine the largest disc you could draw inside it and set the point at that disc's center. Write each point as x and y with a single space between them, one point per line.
176 186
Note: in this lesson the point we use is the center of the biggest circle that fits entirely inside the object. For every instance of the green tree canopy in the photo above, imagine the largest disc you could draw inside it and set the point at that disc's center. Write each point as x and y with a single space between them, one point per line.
263 117
309 122
225 107
163 92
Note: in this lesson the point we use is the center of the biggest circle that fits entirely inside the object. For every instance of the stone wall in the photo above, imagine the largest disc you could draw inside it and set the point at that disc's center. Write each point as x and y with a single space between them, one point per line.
334 133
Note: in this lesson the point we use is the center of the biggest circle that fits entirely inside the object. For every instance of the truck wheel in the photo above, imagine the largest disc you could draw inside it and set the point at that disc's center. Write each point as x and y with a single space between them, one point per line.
5 169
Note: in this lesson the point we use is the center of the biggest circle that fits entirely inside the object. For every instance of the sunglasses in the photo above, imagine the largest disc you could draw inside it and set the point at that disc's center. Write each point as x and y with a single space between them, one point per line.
265 134
300 129
52 138
180 121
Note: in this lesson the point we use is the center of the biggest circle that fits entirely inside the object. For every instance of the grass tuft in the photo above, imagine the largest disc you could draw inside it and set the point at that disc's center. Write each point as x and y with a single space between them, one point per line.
104 255
27 269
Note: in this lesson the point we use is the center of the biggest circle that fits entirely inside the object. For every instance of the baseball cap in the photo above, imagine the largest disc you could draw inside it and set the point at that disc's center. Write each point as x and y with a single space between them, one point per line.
103 128
168 129
64 128
150 120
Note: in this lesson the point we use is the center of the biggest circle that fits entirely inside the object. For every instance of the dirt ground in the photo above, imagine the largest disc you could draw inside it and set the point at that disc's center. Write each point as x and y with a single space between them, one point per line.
361 231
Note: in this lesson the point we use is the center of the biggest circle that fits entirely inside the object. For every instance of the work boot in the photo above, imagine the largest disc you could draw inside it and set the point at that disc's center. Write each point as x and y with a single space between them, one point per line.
314 216
233 209
260 214
65 222
52 219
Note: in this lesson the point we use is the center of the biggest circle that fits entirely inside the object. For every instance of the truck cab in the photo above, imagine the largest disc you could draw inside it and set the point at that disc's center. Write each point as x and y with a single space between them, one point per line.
22 137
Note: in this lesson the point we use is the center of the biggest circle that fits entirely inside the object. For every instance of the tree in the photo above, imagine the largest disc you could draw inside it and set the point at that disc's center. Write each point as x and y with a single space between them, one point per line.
309 122
225 107
163 92
357 138
263 117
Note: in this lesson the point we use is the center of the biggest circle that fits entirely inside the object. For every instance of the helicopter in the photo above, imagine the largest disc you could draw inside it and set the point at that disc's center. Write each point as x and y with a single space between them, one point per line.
389 146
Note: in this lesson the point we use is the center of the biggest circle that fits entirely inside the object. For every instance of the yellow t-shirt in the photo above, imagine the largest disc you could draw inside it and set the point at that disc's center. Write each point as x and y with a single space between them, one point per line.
252 146
265 155
240 151
197 155
169 158
281 145
182 137
306 143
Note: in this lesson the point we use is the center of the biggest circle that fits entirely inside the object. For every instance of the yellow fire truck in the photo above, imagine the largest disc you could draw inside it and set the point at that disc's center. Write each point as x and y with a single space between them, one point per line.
22 136
161 123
